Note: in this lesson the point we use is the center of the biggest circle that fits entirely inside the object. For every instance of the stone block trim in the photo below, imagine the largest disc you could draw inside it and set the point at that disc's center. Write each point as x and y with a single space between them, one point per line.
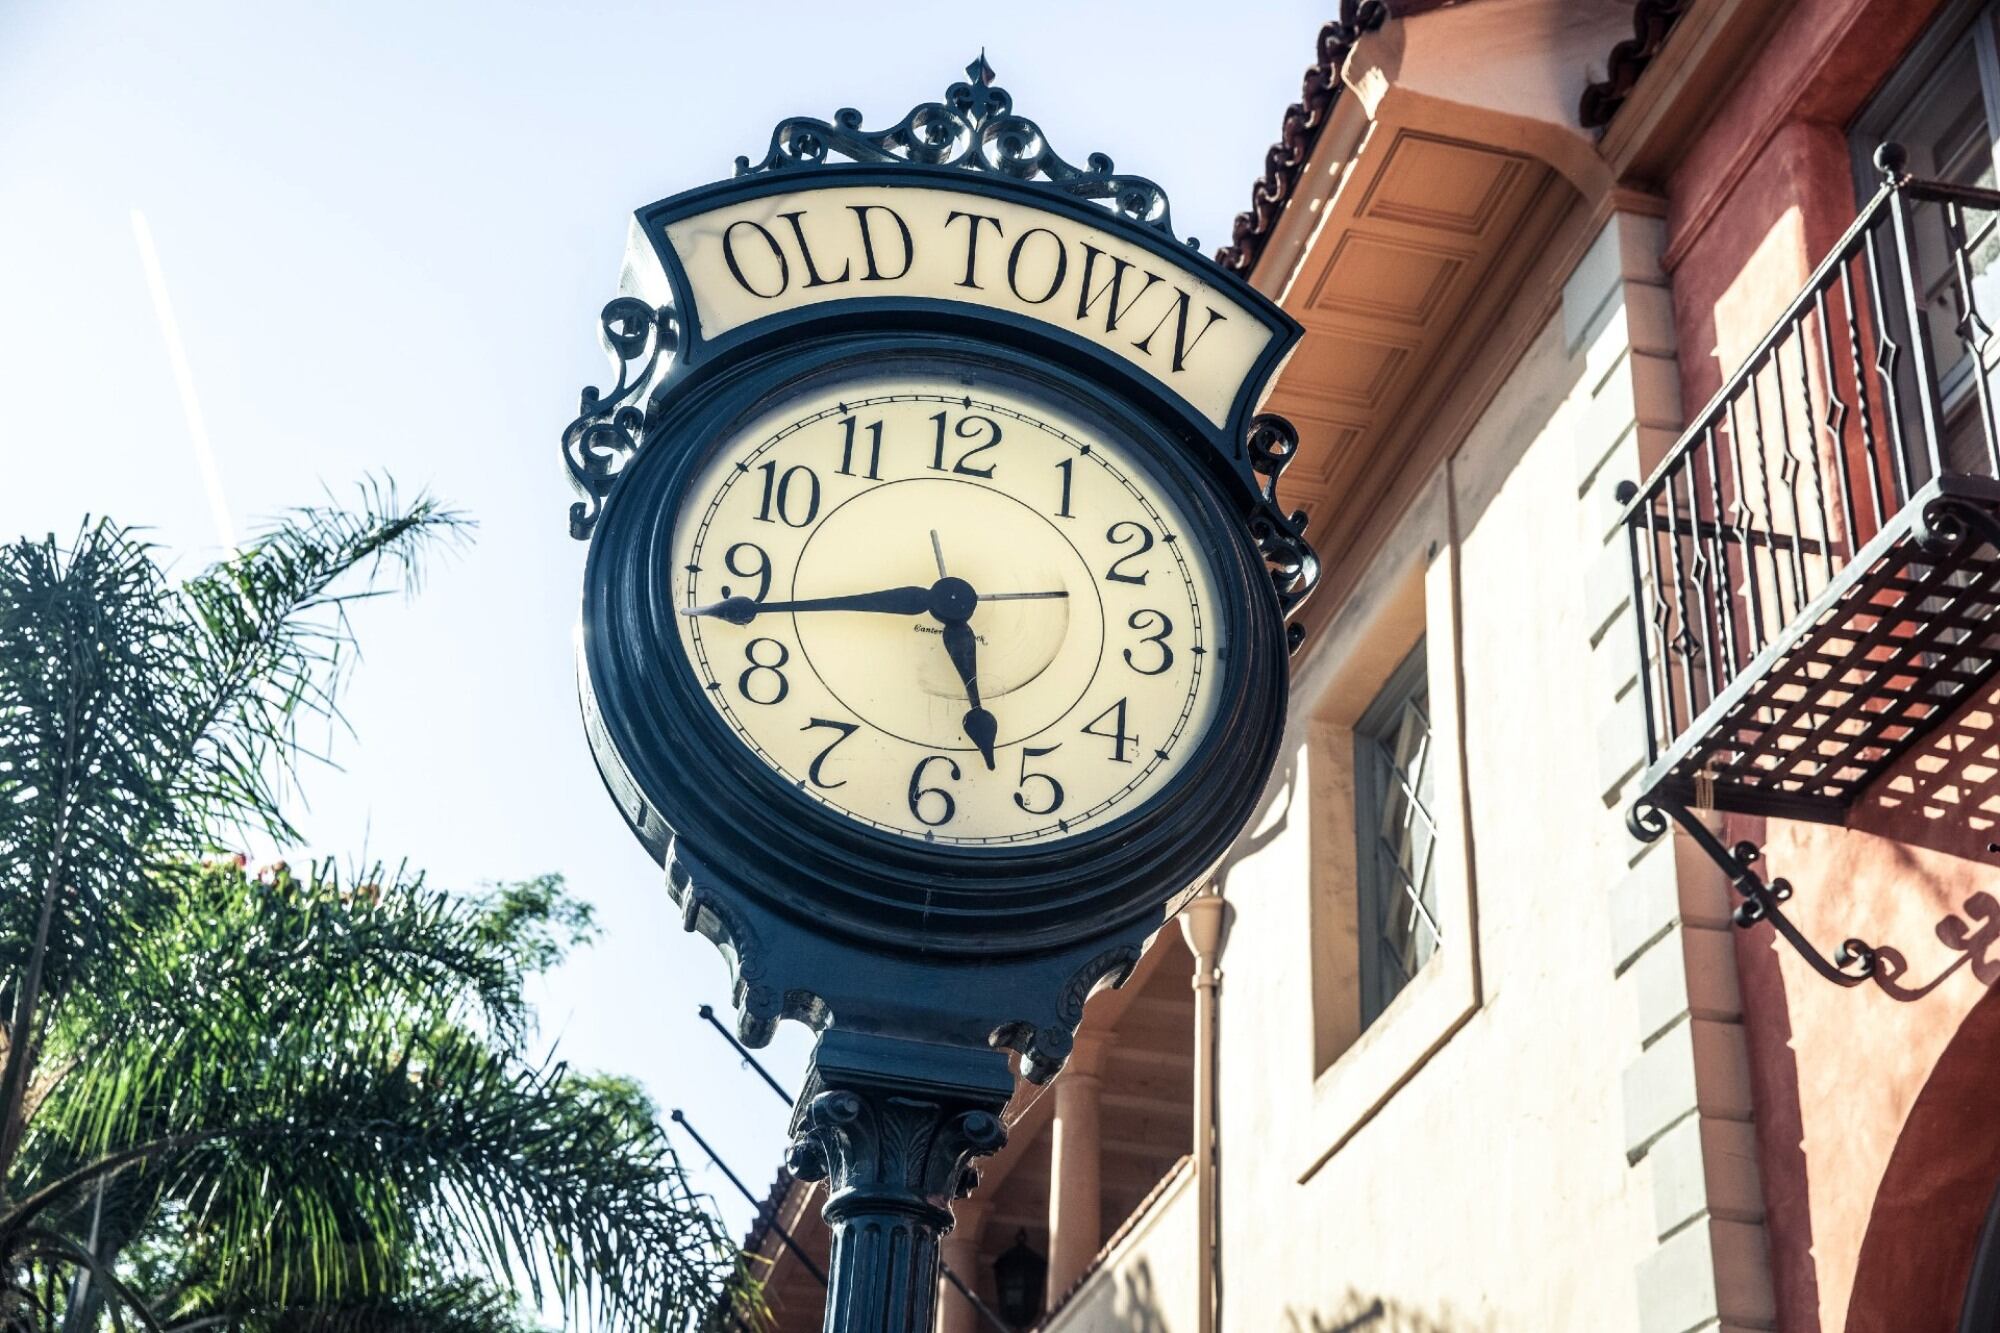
1687 1103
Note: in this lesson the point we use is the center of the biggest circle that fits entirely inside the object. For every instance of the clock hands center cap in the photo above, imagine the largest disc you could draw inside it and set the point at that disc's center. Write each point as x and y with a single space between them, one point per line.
953 599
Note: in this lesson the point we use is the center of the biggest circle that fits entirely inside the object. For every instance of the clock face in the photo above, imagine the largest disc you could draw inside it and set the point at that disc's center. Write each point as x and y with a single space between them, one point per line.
957 614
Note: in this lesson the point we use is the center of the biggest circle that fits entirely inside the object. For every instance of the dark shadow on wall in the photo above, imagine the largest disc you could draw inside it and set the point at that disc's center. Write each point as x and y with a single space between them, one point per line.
1782 1165
1358 1313
1944 796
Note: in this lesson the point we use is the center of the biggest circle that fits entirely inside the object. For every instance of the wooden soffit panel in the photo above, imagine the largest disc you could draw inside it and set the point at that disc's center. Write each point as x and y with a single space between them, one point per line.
1411 233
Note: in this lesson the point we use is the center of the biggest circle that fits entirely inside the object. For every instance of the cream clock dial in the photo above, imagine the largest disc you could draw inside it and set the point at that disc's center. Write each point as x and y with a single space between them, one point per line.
953 614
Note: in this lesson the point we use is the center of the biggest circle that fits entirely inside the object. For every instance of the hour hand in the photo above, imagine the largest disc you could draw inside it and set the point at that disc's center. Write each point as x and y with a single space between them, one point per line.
905 601
980 726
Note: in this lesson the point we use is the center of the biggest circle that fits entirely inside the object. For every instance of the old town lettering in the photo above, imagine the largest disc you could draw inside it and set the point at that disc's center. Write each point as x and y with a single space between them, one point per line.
767 257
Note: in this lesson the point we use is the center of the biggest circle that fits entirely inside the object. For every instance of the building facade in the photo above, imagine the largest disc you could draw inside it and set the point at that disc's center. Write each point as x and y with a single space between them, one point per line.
1612 950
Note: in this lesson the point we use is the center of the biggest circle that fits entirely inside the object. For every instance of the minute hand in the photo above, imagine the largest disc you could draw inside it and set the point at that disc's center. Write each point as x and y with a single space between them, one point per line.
905 601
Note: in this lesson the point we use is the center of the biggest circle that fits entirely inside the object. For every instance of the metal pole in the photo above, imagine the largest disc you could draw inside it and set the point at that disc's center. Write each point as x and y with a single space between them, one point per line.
1201 922
986 1311
708 1016
892 1125
763 1210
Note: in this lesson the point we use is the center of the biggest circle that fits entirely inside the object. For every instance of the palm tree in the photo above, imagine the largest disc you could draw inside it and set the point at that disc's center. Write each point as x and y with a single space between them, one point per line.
276 1102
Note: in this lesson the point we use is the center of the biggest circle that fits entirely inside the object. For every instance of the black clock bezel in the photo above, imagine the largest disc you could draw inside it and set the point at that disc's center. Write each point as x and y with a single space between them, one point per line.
643 701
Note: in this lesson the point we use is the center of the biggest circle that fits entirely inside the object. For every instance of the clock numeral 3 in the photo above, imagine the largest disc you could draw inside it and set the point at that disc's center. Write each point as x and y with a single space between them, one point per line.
1055 792
845 729
966 429
1141 620
778 495
874 429
744 682
918 791
1135 532
1117 735
761 571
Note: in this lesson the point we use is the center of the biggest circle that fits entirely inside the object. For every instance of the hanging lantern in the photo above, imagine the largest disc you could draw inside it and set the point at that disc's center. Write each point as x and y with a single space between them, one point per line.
1019 1277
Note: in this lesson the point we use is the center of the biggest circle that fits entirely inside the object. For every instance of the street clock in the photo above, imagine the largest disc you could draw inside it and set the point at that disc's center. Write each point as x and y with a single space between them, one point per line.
934 627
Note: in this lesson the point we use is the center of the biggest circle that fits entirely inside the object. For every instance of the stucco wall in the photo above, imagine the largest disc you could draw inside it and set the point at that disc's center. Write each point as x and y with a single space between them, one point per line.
1146 1282
1491 1189
1876 1172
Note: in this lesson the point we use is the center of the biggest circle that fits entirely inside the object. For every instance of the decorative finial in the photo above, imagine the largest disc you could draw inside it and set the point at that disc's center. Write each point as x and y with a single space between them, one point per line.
974 127
1890 159
980 103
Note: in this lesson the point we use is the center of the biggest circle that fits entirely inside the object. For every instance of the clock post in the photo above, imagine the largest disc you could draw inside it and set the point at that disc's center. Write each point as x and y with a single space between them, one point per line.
934 633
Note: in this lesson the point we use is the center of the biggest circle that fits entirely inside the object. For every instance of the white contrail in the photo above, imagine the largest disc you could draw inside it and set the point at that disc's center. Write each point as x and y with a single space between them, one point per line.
170 329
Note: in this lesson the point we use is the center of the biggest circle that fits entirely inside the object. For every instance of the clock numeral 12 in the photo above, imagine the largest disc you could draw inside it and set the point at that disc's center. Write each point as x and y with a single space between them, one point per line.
874 429
1117 735
1068 469
966 428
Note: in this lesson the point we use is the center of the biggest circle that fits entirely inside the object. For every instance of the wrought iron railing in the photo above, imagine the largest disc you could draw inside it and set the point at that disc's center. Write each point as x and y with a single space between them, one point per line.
1813 561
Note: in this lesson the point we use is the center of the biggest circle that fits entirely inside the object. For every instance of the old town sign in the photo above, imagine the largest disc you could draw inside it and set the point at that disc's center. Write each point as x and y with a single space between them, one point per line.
934 629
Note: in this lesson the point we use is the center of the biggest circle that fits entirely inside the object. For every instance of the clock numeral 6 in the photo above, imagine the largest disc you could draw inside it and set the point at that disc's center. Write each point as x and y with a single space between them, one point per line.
966 429
918 791
778 495
1055 788
761 571
1145 619
845 729
1116 735
1132 532
746 683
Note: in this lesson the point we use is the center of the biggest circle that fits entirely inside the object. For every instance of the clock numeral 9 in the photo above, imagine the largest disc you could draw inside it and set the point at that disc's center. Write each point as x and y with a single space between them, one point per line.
744 682
778 495
918 791
1116 735
761 571
966 429
1141 620
845 729
1055 788
1133 532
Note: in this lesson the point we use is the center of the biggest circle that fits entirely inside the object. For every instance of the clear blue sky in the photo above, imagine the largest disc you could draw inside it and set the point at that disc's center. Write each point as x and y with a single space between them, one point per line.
387 230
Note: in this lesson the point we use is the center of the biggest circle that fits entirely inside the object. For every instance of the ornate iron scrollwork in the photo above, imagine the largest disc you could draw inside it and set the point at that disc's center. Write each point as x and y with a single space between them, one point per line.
1272 444
974 128
599 444
1853 963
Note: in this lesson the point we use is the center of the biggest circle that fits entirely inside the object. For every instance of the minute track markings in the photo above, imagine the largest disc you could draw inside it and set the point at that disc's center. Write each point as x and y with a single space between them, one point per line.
1189 698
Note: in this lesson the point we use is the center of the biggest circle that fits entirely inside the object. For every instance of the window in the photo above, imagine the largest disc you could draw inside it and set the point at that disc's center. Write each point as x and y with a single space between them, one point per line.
1943 106
1396 836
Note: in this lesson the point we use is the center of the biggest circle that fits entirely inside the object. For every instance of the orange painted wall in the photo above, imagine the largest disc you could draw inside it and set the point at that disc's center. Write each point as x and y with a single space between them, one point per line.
1878 1108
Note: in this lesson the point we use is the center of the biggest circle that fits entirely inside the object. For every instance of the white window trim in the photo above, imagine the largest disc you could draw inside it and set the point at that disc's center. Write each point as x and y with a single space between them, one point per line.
1364 642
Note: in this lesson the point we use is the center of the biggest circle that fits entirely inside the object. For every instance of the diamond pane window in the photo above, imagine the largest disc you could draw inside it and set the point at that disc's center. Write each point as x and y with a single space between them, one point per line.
1395 860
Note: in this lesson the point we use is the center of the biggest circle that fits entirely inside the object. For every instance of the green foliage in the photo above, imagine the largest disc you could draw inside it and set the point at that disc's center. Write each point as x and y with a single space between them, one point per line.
277 1101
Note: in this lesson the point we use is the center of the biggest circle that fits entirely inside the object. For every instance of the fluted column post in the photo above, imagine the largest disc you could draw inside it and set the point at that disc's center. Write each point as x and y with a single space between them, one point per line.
892 1126
1076 1218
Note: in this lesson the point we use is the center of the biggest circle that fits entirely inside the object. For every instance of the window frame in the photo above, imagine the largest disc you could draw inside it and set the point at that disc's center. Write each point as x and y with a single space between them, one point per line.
1375 881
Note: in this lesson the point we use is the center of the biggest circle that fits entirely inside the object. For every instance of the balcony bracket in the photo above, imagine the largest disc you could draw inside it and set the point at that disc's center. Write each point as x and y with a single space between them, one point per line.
1853 963
1945 524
